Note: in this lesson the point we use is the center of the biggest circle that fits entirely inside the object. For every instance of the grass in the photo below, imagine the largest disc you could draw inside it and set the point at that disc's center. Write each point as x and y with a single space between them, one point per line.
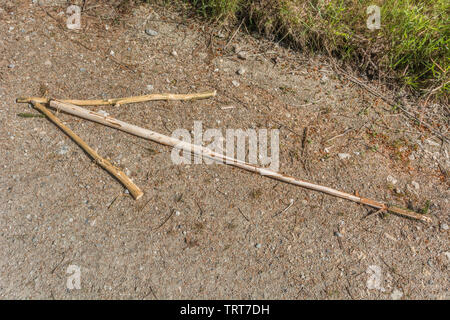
411 47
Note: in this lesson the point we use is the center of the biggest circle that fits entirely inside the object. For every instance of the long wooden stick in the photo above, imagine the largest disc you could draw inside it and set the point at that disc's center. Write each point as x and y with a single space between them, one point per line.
105 164
120 101
200 150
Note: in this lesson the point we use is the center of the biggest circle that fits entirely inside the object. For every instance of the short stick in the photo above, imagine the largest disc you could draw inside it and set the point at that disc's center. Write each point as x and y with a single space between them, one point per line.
200 150
105 164
120 101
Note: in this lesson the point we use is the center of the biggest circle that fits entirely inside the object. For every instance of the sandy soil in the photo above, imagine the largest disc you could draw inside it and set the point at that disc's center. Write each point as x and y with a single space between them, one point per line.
224 237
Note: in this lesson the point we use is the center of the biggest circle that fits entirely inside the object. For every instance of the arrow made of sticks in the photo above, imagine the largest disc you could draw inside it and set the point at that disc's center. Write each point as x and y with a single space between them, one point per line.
203 151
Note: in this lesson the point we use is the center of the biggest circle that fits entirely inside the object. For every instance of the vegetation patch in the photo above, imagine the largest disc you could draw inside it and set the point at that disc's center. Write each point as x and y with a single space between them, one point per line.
410 47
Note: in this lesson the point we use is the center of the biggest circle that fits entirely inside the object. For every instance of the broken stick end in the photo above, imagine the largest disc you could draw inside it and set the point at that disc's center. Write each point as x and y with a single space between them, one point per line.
138 195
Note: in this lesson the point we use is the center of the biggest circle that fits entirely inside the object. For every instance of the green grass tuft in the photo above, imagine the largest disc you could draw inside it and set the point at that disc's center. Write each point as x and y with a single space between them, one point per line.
411 46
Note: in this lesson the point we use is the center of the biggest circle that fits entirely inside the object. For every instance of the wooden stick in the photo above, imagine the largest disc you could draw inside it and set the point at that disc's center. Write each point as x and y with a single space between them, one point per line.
200 150
120 101
105 164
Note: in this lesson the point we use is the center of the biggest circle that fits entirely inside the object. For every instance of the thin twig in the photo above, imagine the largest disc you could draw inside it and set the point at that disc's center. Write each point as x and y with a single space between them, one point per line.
120 101
105 164
234 34
393 104
165 220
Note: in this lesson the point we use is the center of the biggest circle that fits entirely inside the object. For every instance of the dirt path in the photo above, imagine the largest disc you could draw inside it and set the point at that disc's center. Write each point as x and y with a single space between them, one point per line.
223 238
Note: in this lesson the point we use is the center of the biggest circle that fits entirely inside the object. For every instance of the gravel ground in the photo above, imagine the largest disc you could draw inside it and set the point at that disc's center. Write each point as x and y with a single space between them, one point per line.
206 231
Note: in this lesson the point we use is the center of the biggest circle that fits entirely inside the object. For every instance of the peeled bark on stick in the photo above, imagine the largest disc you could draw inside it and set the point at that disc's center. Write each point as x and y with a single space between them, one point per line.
105 164
120 101
200 150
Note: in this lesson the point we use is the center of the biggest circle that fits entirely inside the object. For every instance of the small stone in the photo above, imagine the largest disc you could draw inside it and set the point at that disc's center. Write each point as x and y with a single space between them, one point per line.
396 294
241 71
127 191
83 69
391 179
48 63
387 235
242 55
324 78
235 83
174 53
258 245
177 213
11 66
29 217
63 150
151 32
444 226
149 87
338 234
415 185
343 156
447 254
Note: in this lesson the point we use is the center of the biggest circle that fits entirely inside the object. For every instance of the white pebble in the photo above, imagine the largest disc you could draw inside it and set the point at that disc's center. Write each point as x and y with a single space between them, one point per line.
151 32
242 55
343 156
391 179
